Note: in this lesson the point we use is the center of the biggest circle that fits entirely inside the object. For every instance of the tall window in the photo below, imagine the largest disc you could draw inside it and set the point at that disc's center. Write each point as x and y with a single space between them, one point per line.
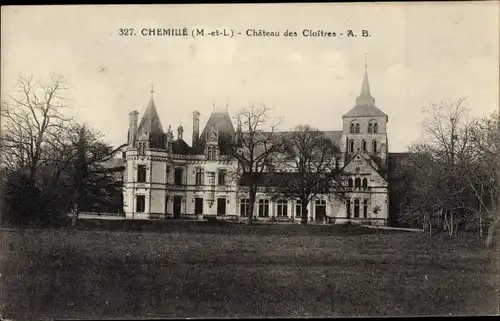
222 176
365 208
178 176
211 152
198 205
357 128
298 208
348 208
350 183
351 146
221 206
140 205
375 128
244 207
199 176
352 128
282 208
263 208
363 144
356 207
141 173
370 128
365 183
357 182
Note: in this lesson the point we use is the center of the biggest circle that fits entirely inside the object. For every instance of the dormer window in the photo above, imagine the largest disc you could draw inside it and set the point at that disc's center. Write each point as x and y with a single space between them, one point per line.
211 153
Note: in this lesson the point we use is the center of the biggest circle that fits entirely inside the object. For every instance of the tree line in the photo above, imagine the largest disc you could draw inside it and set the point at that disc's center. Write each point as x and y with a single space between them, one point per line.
50 163
449 181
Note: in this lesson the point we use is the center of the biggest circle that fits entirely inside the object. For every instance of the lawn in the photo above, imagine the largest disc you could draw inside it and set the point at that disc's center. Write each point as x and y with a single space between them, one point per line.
233 270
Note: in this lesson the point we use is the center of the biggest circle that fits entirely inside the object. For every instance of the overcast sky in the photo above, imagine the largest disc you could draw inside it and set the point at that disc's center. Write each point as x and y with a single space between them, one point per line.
418 54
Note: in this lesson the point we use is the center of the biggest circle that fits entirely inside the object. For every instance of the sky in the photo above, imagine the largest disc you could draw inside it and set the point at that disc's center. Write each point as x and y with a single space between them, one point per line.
417 54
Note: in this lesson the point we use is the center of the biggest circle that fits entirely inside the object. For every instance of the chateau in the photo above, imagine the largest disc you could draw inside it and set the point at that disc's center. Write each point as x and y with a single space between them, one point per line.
165 177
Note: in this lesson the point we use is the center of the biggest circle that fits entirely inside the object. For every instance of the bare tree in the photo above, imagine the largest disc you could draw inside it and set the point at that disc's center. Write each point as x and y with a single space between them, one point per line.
439 186
480 173
32 118
255 147
312 159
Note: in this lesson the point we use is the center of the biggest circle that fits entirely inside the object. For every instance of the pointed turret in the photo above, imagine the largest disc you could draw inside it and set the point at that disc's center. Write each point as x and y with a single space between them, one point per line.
150 125
365 103
365 97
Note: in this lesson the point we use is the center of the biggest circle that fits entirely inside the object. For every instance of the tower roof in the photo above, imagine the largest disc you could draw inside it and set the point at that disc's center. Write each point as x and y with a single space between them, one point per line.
150 122
221 121
365 103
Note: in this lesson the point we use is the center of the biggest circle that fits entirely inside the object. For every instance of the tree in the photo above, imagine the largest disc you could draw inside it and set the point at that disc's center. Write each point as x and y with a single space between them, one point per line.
480 172
439 187
32 119
93 181
50 156
312 158
256 146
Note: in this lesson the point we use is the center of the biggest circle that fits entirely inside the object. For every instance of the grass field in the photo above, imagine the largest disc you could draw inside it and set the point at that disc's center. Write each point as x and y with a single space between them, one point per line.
202 270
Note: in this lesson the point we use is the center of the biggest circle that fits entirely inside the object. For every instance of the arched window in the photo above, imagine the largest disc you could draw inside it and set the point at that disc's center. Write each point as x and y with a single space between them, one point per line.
374 146
375 128
357 182
350 182
351 146
363 144
365 183
370 128
357 128
351 129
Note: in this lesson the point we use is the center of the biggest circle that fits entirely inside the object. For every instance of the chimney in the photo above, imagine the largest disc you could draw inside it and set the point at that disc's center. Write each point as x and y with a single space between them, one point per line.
132 127
196 126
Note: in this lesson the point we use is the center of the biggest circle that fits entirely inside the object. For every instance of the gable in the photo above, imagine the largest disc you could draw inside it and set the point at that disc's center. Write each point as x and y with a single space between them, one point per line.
365 166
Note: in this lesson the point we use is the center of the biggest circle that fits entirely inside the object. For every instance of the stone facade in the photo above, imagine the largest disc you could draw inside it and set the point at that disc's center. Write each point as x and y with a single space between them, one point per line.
165 177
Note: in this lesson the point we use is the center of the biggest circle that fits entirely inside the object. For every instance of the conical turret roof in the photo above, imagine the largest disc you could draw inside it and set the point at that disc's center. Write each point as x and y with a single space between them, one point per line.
150 122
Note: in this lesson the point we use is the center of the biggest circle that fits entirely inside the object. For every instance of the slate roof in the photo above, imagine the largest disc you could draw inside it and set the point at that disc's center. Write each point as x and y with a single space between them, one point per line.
334 135
220 120
364 110
150 122
268 179
113 162
180 147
